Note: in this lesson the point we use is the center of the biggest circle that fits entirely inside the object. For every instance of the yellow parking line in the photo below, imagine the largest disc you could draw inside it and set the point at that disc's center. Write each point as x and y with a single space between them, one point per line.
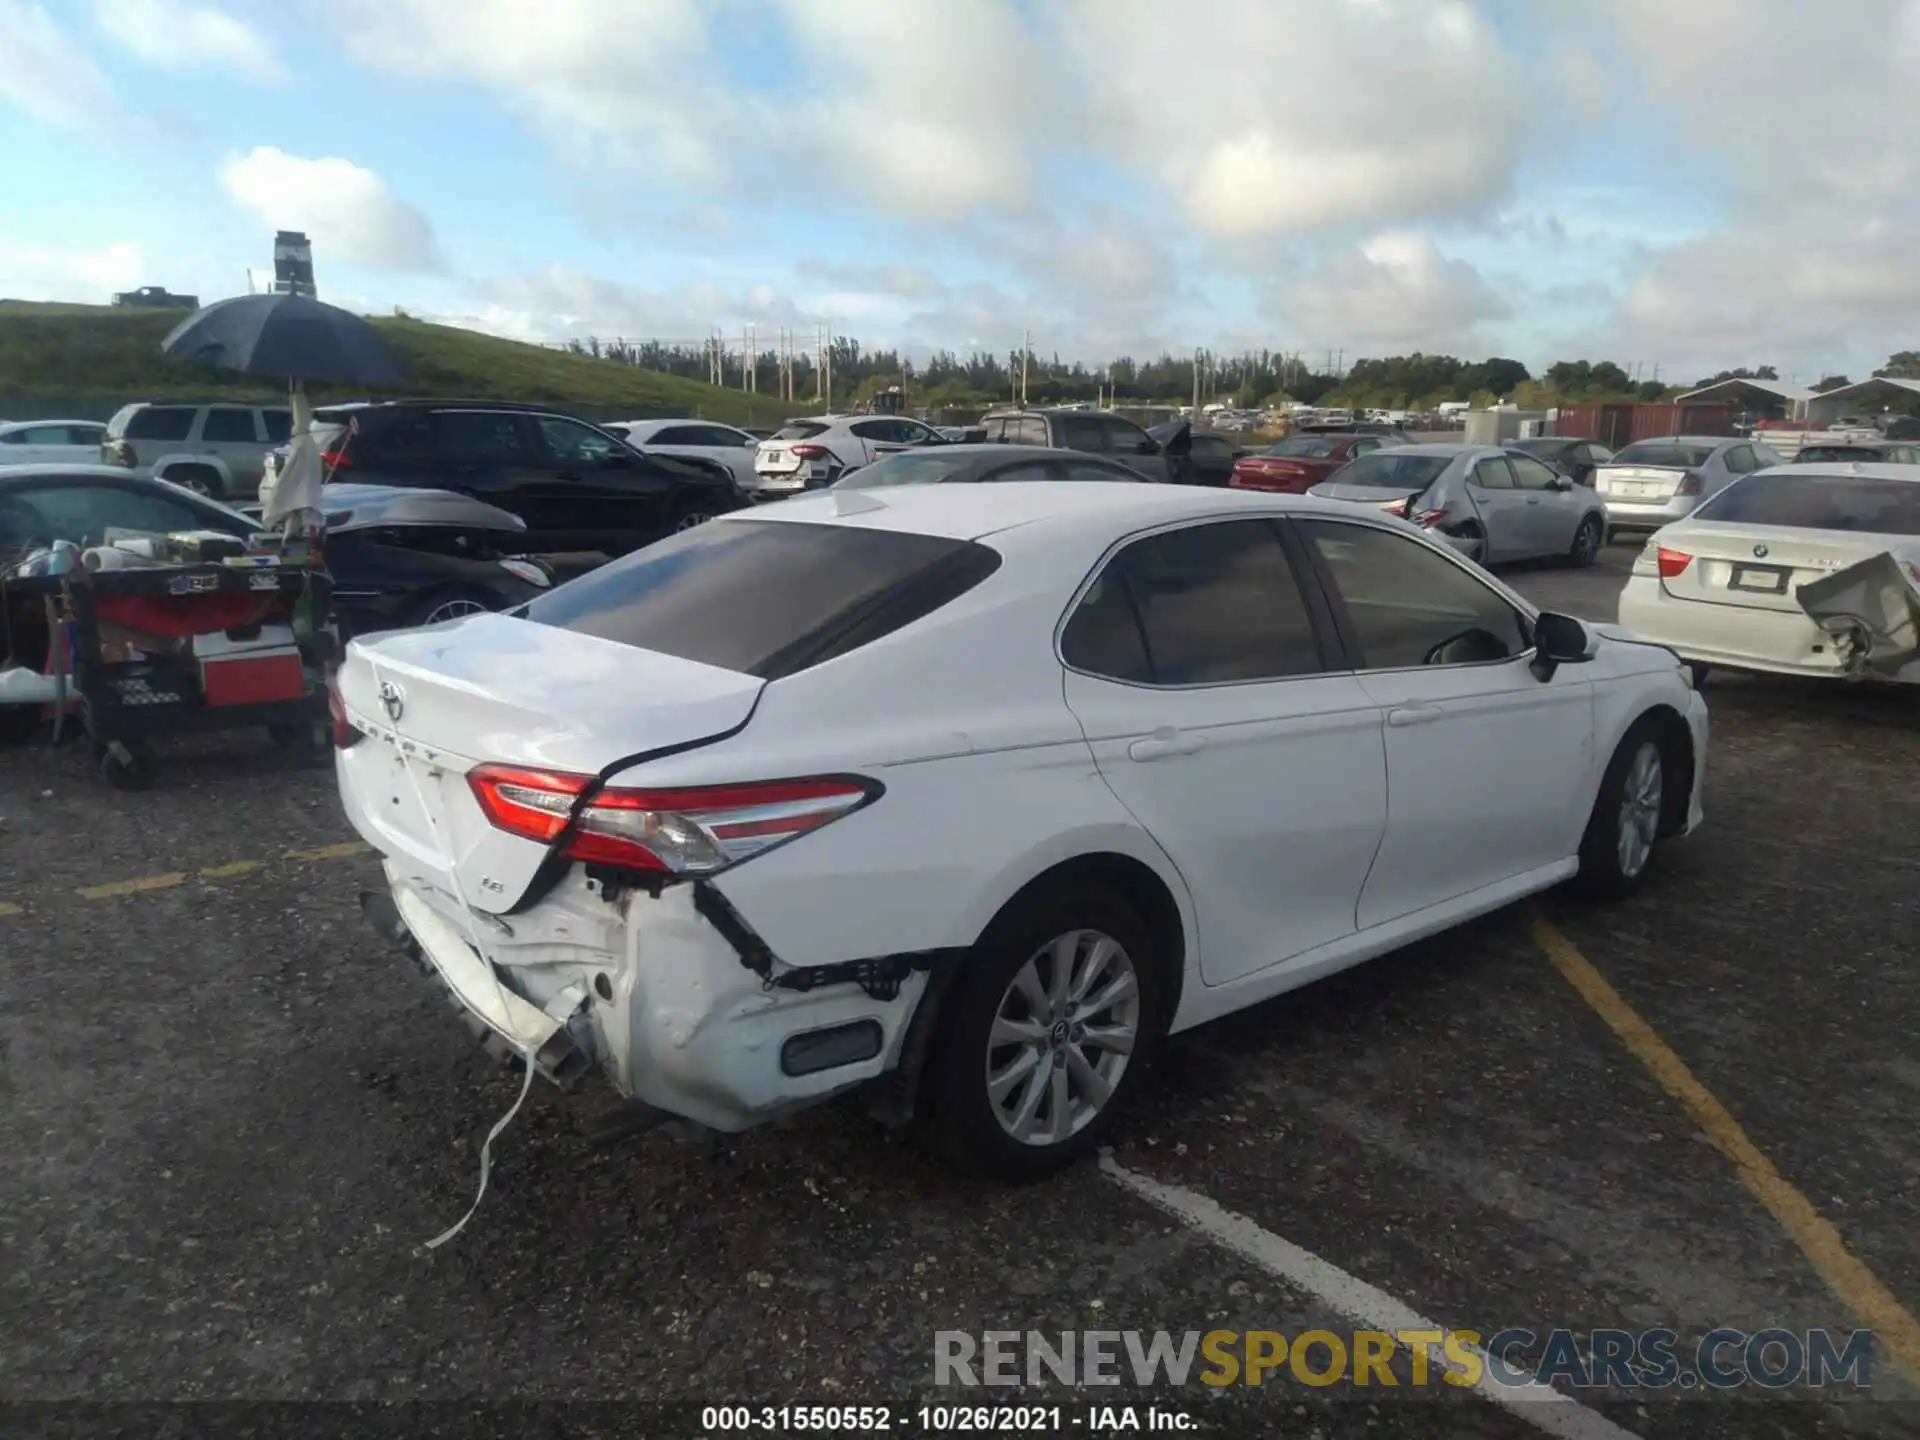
229 872
8 908
331 852
1897 1331
133 887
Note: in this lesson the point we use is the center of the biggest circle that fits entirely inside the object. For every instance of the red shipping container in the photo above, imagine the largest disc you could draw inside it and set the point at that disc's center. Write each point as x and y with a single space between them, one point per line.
254 677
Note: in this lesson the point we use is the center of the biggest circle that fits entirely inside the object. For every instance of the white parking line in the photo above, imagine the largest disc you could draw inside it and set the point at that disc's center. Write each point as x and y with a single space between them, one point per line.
1540 1405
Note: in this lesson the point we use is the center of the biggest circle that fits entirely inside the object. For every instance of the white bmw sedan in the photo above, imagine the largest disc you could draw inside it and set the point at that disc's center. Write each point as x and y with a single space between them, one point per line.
969 794
1728 586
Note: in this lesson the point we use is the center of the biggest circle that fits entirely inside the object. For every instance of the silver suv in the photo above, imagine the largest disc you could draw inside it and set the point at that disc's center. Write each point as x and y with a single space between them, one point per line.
1096 432
218 450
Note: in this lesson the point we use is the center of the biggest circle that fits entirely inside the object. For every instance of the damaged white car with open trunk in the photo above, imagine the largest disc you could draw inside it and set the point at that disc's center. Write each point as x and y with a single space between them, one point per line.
967 795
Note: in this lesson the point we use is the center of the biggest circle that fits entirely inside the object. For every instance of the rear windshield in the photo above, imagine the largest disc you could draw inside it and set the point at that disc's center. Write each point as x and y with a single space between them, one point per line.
703 595
1302 448
1858 503
927 468
801 430
1836 454
1387 470
1543 447
1664 453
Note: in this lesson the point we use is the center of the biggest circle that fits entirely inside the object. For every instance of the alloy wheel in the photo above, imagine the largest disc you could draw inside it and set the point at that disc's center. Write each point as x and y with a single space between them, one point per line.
1640 809
1586 543
691 519
453 609
1062 1037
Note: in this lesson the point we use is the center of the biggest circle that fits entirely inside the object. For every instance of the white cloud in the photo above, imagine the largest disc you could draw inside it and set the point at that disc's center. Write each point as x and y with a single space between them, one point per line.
47 73
929 110
1394 294
562 302
606 80
179 36
346 209
1296 116
47 272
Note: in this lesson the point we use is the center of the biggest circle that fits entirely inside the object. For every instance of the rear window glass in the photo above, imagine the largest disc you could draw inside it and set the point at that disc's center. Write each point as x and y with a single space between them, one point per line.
1837 454
1388 470
1858 503
924 468
1548 448
1302 447
801 431
160 422
701 595
1677 457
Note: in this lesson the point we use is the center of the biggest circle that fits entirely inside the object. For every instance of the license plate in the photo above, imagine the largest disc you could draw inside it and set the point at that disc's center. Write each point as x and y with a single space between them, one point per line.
1766 579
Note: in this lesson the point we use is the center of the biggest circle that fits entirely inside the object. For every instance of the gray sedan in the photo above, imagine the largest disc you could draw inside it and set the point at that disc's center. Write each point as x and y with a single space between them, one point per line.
1656 482
1492 503
951 464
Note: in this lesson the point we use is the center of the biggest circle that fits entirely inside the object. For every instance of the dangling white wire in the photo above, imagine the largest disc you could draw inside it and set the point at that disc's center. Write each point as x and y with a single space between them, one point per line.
486 1154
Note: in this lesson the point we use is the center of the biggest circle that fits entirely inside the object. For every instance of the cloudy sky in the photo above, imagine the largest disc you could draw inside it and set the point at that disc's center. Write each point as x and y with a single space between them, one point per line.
1689 183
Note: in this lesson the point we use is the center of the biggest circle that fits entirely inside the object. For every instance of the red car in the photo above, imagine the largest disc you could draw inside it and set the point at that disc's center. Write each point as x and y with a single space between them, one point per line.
1300 461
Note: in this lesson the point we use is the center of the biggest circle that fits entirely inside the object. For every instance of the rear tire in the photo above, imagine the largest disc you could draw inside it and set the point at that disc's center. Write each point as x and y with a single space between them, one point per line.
1472 531
691 512
1617 850
1027 1074
1587 541
198 478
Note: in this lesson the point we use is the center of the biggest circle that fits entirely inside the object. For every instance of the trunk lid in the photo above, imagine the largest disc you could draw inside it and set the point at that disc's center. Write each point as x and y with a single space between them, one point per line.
1274 472
1639 482
776 460
1758 567
1393 499
435 703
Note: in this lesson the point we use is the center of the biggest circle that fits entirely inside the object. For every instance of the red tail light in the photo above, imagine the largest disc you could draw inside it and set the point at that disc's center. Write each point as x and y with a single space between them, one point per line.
1689 484
811 452
1426 519
677 831
1673 562
334 459
343 732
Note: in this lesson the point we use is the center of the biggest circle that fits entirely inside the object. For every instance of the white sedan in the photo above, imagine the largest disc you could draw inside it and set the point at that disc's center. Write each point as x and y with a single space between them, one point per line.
1729 586
1125 759
694 440
51 442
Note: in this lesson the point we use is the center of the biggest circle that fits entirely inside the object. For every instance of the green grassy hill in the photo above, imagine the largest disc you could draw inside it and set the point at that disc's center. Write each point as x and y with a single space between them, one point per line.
90 356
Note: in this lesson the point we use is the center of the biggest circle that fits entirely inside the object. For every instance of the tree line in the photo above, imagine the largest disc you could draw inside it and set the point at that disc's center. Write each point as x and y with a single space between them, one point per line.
1249 380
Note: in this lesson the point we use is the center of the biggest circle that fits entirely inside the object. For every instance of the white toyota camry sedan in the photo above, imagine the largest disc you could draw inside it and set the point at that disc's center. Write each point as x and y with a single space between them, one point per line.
1759 577
969 794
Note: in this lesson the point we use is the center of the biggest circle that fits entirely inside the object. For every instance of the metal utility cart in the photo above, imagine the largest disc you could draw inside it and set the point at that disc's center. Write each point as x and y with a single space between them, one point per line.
129 696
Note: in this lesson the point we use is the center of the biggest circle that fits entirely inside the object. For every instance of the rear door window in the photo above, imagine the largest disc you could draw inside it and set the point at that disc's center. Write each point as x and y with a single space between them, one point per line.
226 422
701 594
1492 474
1213 605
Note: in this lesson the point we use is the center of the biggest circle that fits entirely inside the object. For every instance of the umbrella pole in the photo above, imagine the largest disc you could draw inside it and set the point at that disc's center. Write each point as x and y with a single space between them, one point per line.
286 526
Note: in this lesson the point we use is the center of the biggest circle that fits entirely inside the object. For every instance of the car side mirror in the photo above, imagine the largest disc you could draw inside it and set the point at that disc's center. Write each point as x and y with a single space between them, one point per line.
1149 446
1563 482
1560 640
616 461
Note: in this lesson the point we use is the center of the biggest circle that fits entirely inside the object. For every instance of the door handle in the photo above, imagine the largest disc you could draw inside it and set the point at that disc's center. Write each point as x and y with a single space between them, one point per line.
1404 715
1165 744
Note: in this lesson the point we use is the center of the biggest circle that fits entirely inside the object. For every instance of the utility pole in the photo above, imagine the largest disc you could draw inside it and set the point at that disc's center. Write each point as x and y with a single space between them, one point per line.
829 329
1026 348
749 363
1197 353
1339 362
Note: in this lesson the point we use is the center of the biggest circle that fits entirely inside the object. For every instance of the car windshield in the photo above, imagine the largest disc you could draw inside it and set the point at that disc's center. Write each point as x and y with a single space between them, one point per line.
1666 454
922 468
702 594
800 430
1859 503
1389 470
1302 447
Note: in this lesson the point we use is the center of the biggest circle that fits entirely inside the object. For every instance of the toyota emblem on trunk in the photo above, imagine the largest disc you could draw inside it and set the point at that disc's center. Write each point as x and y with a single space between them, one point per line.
1759 552
393 700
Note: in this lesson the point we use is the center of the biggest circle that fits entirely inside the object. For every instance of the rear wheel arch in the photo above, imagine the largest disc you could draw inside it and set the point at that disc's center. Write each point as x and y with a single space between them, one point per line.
1125 877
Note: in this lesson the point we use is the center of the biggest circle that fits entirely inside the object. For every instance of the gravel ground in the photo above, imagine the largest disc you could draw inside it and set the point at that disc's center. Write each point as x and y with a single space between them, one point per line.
229 1116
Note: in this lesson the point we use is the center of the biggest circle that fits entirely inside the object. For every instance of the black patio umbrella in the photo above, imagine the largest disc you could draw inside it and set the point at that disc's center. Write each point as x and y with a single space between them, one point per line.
286 337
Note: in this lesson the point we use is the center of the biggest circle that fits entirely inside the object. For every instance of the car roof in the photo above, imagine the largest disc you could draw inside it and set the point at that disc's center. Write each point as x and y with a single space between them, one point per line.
1442 447
1872 471
1712 441
971 512
29 424
53 470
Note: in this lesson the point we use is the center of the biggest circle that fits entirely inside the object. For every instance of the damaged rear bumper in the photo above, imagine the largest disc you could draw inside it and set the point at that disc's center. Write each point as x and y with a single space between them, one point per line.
648 993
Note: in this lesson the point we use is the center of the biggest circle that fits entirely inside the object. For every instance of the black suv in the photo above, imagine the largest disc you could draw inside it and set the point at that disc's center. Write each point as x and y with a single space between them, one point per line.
577 487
